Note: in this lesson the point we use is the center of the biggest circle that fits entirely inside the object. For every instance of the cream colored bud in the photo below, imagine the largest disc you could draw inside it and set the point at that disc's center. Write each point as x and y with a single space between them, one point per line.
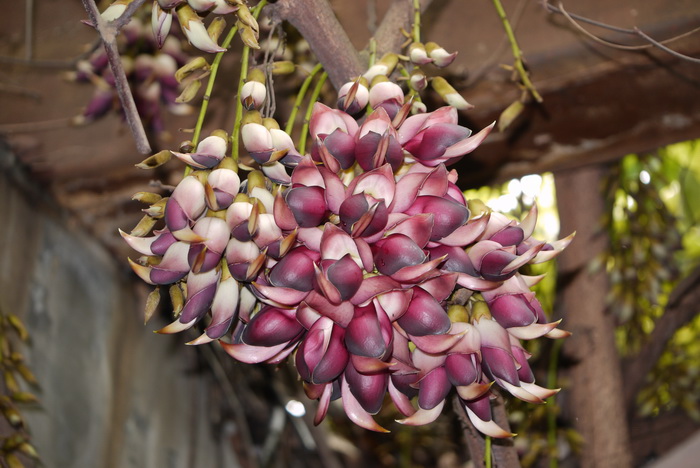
449 94
284 67
216 27
418 54
194 29
248 36
115 10
384 67
253 95
190 91
247 18
197 64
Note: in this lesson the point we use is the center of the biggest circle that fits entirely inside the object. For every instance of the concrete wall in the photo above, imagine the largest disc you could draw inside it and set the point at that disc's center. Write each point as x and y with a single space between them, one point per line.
113 393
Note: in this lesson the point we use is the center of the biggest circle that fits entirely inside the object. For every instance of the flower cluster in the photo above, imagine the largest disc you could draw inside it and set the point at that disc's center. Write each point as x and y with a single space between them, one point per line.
362 259
150 72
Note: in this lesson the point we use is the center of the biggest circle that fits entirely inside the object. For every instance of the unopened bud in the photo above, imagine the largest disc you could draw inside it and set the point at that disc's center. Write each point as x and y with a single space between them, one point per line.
270 123
440 57
194 29
418 54
418 80
284 67
247 18
146 197
216 27
458 313
477 207
190 91
155 160
115 10
251 117
256 179
198 64
449 94
248 36
384 66
480 310
253 95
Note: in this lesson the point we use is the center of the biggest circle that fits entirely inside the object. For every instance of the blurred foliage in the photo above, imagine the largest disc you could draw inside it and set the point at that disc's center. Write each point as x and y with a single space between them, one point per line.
16 449
654 227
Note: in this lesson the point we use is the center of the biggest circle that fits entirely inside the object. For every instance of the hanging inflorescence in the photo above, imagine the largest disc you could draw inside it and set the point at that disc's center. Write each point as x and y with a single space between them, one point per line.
360 259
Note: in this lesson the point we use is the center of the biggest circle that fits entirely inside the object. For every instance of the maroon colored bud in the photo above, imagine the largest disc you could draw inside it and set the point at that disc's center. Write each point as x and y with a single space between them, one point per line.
322 355
308 205
295 270
462 369
424 316
433 389
272 326
364 335
395 252
368 389
448 215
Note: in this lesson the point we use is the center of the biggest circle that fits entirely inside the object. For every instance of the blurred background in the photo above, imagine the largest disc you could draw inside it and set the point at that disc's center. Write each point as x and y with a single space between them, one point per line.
612 152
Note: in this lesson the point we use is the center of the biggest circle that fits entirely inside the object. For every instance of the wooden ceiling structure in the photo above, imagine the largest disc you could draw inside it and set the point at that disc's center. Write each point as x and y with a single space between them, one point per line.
599 103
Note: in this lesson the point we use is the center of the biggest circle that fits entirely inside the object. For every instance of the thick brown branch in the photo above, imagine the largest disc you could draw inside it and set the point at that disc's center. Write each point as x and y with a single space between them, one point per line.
474 439
504 453
398 16
315 20
108 32
683 305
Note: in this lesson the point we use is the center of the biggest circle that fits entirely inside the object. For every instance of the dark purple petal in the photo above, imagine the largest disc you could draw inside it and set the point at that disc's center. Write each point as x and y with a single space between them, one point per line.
166 276
512 310
161 244
346 276
425 316
334 360
351 210
364 335
432 142
295 270
493 263
395 252
308 205
525 372
368 389
461 370
448 215
481 407
433 389
271 326
198 304
342 147
499 363
510 235
457 259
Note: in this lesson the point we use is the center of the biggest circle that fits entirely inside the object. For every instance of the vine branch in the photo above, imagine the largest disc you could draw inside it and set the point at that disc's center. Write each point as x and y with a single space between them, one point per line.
108 32
574 20
316 22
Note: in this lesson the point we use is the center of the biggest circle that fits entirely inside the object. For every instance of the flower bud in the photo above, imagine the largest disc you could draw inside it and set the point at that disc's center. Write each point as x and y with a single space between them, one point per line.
216 27
449 94
197 65
161 21
383 67
440 57
253 95
194 29
353 97
284 67
115 10
417 54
